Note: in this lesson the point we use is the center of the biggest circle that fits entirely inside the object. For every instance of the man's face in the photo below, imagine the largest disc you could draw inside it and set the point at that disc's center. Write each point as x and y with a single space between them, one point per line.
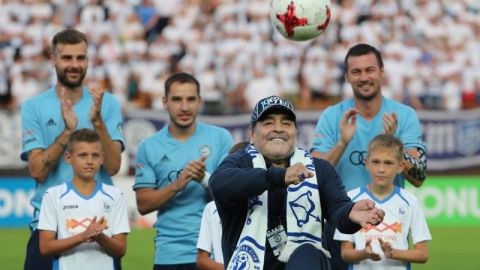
85 158
383 164
71 63
275 137
182 104
365 76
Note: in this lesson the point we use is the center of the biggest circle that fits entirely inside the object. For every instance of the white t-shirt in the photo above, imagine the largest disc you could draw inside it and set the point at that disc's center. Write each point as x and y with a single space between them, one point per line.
67 212
210 236
403 216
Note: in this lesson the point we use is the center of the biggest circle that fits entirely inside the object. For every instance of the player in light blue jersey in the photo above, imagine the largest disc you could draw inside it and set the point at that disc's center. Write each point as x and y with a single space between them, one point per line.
344 130
51 117
385 246
172 172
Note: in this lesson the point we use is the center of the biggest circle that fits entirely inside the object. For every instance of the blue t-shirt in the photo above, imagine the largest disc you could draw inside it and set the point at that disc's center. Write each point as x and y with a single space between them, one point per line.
42 123
160 158
351 165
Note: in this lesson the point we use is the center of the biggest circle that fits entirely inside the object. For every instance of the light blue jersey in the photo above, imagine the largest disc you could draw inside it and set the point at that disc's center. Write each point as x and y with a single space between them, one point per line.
42 123
351 165
160 159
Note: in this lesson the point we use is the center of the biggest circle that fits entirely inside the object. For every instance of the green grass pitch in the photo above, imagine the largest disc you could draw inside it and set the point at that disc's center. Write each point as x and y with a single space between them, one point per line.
451 248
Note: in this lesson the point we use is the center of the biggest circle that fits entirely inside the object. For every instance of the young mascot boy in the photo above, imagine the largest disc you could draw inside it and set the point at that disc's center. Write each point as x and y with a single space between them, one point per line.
385 246
83 222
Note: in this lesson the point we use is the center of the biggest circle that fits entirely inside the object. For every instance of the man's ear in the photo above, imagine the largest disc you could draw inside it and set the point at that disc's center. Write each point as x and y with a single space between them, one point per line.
68 157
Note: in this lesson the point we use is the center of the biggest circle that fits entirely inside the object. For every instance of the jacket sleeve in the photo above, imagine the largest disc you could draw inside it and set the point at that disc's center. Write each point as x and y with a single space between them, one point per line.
336 204
235 180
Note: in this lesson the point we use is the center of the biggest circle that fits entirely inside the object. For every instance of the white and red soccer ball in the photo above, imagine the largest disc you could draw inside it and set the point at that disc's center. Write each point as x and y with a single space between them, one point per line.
300 20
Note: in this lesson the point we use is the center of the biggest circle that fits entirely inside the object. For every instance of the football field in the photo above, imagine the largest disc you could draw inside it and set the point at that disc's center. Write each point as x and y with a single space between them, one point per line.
451 248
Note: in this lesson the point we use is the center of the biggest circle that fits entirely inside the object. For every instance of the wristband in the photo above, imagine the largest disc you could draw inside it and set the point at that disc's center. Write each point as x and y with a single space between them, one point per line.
205 179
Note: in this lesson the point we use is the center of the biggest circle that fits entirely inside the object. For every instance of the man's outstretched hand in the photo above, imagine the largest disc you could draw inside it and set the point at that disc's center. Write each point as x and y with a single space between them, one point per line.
365 213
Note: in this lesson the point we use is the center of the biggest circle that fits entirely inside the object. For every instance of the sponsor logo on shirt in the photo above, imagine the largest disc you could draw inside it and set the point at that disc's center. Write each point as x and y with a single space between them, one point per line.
70 206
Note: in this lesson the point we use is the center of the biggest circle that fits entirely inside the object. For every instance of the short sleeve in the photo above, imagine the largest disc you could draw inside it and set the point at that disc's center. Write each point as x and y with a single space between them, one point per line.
204 238
144 172
419 228
120 216
48 220
31 131
343 236
325 133
114 120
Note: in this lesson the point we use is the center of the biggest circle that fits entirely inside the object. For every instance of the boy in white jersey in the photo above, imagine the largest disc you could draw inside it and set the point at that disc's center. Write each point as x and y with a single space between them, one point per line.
83 222
385 246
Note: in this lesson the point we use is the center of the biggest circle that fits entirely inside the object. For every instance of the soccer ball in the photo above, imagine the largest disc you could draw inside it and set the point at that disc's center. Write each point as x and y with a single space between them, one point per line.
300 20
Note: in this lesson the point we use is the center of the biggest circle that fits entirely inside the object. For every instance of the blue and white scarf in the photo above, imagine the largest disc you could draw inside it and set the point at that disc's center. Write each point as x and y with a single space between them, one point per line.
304 214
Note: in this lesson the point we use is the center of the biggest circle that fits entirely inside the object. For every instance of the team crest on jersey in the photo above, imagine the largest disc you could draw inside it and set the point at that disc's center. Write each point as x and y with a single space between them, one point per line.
107 206
205 150
245 259
401 211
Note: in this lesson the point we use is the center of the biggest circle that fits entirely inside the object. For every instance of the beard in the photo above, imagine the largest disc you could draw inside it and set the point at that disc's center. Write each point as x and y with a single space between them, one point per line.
358 94
63 78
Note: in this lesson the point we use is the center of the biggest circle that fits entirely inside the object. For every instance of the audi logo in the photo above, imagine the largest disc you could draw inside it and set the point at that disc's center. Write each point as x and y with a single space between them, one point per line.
358 157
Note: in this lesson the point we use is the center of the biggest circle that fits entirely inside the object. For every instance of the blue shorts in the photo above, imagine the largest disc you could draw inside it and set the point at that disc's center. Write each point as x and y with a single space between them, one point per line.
34 260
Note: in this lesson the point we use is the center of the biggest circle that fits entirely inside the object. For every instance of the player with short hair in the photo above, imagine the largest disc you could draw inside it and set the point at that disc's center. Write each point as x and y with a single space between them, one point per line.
385 246
84 222
172 172
344 130
50 118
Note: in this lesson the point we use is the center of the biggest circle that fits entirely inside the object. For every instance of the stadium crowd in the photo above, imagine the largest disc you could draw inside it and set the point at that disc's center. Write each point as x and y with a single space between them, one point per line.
430 50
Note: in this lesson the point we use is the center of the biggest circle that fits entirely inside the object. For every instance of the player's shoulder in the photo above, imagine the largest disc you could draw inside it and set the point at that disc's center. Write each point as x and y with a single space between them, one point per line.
406 194
57 191
355 193
40 99
212 130
111 191
397 106
110 98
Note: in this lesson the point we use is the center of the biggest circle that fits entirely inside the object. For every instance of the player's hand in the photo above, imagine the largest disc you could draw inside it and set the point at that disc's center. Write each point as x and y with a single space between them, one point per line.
389 123
386 247
369 251
365 213
68 115
195 170
297 173
95 228
347 125
95 111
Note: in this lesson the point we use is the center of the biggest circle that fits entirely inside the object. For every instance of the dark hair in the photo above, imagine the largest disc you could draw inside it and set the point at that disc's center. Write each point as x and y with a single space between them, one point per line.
363 49
389 142
238 146
181 77
83 135
68 36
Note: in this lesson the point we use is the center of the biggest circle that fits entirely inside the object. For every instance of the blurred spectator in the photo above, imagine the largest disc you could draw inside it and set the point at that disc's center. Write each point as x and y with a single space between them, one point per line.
430 49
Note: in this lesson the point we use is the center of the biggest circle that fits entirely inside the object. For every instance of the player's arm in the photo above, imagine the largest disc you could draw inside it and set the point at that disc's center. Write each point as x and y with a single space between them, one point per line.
347 130
419 254
152 199
116 245
332 156
204 262
352 255
42 161
50 246
112 149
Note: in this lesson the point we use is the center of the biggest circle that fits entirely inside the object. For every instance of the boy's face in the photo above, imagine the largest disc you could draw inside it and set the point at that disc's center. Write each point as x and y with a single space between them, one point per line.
383 164
85 158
